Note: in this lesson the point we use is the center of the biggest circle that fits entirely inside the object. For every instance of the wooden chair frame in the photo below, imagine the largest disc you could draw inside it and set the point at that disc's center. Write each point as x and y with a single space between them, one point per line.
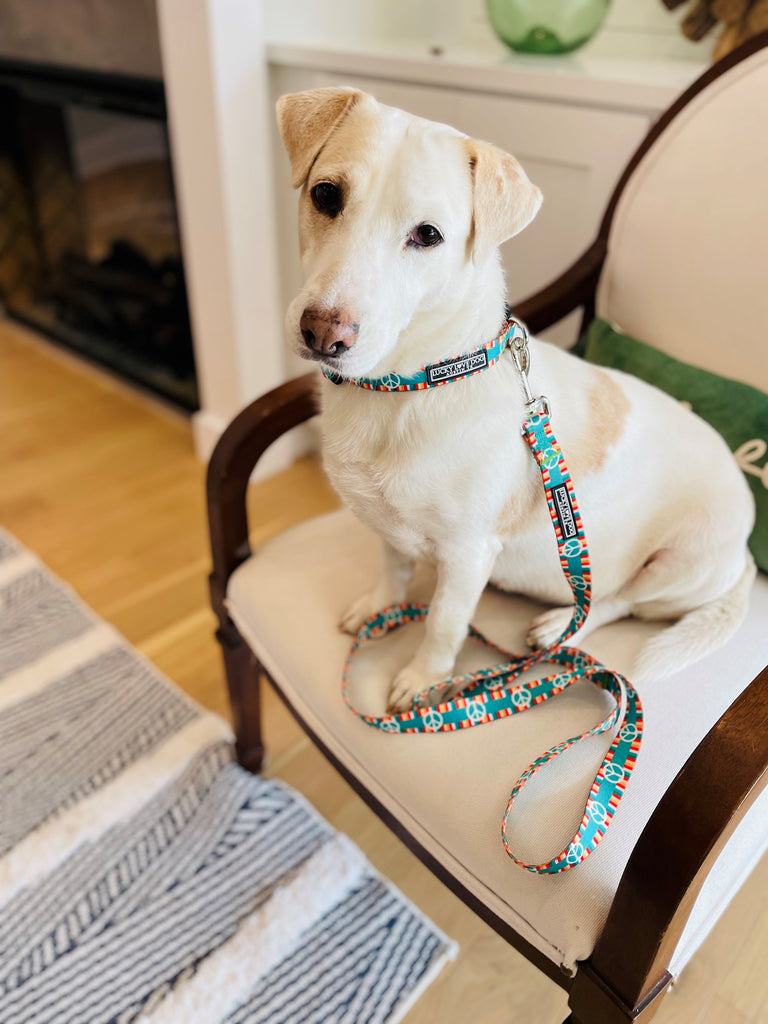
626 976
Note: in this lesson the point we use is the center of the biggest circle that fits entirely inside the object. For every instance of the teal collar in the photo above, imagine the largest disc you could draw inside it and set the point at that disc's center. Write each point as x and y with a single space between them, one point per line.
445 372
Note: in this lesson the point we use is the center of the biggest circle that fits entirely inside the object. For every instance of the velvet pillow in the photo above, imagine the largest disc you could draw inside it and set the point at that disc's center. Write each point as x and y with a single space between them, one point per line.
737 411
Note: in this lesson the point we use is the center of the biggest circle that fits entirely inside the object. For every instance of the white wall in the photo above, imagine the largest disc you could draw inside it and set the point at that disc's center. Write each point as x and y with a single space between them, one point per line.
214 68
632 27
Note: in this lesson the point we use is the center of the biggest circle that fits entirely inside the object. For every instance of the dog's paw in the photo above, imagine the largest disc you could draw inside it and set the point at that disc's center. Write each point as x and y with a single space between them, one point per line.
407 684
355 616
547 628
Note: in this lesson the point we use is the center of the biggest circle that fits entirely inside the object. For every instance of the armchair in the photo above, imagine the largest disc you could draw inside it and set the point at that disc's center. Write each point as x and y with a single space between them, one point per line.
675 261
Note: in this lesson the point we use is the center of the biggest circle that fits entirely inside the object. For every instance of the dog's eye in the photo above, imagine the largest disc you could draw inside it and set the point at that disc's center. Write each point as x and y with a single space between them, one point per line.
424 236
327 198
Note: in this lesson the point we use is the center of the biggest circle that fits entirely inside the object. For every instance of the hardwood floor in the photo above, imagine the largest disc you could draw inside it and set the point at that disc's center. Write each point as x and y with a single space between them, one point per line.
104 486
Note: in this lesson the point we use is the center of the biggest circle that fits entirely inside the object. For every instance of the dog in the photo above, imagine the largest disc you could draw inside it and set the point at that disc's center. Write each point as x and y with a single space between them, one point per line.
400 223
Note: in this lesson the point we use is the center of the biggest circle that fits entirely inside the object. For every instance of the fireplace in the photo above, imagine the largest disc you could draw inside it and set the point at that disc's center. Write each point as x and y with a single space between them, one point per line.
89 238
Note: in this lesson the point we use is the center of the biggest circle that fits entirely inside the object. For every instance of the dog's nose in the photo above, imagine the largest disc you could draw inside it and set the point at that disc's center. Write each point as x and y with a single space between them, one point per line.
328 331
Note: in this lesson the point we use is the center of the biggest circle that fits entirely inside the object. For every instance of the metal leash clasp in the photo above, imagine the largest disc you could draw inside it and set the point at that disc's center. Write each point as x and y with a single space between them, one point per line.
537 405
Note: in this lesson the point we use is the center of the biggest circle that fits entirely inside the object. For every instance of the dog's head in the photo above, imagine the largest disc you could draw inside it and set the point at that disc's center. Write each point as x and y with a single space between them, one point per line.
396 216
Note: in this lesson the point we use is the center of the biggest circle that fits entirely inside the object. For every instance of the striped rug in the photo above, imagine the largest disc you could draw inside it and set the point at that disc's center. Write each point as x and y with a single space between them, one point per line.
144 876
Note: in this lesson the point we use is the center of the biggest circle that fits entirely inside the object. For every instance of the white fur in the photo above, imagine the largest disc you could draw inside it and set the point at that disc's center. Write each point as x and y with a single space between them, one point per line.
667 514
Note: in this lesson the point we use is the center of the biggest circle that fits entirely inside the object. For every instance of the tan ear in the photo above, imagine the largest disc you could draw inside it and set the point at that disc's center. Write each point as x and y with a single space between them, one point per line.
505 201
306 119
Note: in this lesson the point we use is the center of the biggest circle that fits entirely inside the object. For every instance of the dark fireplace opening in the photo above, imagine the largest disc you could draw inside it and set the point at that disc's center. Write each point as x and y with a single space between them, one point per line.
89 238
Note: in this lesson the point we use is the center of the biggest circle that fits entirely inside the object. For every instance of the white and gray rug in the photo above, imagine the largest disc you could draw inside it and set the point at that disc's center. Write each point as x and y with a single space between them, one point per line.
144 876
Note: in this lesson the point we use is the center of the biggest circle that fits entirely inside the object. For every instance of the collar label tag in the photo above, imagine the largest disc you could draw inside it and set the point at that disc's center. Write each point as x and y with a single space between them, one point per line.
564 510
459 367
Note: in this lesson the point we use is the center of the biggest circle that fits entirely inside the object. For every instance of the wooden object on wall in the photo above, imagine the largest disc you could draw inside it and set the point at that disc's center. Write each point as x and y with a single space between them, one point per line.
741 20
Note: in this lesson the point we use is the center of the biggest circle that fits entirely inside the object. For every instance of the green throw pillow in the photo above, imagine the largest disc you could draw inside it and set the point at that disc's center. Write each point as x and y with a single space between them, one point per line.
737 411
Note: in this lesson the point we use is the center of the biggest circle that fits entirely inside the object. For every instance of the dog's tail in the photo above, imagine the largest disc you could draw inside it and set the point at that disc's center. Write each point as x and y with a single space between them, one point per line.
697 633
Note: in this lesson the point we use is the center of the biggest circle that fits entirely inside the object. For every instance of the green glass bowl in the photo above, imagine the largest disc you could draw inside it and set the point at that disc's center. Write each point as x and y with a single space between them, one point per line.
546 26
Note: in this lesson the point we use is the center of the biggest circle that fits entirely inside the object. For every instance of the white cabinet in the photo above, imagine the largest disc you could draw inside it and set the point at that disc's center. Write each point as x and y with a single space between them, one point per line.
573 152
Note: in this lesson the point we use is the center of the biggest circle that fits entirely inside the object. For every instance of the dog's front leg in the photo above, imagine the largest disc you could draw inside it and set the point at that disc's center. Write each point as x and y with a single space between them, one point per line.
461 576
391 589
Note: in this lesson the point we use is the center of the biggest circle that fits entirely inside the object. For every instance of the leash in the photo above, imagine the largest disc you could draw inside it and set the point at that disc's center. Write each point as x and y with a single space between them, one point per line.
490 693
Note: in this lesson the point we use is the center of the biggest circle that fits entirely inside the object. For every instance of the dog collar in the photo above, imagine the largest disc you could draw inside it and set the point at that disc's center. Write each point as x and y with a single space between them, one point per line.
433 375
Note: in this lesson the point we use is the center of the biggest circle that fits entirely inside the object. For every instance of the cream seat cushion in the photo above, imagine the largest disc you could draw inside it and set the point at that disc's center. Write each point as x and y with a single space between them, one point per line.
450 790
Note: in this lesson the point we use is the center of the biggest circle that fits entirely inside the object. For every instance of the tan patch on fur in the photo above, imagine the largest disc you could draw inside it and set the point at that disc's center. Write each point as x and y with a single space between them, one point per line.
608 408
505 201
307 119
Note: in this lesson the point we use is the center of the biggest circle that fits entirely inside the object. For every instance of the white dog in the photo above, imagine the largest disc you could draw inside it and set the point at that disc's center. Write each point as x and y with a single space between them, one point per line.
400 224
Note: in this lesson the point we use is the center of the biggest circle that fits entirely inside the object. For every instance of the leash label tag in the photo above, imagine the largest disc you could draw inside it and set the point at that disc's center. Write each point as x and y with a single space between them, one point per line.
564 510
461 366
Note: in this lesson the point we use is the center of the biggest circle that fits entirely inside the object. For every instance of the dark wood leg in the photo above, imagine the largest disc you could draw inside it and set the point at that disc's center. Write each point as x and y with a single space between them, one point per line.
594 1002
243 681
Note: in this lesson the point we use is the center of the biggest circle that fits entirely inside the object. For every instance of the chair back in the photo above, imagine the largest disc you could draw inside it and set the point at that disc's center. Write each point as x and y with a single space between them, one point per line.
687 264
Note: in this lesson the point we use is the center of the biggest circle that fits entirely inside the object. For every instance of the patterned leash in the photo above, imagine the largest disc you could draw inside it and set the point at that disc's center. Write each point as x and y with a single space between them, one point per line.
490 693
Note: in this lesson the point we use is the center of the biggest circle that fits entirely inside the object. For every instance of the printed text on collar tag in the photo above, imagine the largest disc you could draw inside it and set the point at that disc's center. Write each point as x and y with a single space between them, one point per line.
459 367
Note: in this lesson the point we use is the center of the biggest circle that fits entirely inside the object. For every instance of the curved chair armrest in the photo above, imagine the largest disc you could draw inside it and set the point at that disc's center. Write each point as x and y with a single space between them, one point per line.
684 836
238 450
575 287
